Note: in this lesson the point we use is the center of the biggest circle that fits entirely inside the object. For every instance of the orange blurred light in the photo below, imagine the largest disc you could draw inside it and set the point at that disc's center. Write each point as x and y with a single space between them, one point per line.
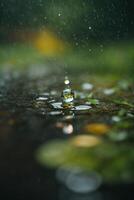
97 128
49 44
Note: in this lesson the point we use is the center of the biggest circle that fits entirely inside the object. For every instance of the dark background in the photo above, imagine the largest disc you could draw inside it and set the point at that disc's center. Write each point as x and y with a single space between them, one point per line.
109 19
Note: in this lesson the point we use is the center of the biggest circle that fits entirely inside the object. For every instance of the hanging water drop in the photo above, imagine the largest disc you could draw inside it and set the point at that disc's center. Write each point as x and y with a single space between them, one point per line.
67 95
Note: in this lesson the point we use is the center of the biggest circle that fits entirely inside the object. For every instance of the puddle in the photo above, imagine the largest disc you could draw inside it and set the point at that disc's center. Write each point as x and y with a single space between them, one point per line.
48 112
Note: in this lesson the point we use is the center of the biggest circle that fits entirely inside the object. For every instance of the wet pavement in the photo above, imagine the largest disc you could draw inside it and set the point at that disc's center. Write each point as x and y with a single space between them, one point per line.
28 120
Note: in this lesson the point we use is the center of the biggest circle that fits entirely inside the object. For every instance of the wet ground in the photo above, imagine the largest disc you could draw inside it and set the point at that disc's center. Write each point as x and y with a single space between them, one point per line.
29 120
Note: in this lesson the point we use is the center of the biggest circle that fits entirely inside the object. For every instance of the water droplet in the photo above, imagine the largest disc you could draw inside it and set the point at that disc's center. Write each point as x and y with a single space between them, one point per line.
41 98
55 113
67 95
66 81
82 107
89 27
57 105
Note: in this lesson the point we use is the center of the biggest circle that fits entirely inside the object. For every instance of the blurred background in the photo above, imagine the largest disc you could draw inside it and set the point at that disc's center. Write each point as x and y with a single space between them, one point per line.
84 34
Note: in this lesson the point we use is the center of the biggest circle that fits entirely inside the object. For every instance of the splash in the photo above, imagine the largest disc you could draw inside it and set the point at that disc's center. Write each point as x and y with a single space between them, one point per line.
67 95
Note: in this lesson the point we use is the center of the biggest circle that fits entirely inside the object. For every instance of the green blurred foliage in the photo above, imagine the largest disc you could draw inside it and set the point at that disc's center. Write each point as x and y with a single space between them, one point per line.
115 58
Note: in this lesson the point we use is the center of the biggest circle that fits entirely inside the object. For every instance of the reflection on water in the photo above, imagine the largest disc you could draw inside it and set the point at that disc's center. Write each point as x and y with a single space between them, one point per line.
67 101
